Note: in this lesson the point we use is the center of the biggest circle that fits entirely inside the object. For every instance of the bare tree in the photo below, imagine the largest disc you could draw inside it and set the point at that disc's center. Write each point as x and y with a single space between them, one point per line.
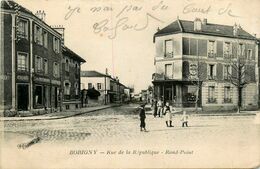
238 77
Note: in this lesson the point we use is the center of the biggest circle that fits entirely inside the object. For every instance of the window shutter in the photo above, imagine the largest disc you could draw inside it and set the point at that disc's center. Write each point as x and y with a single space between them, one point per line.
219 71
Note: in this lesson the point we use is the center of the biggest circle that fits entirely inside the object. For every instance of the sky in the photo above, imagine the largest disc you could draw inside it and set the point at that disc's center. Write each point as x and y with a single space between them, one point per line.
118 34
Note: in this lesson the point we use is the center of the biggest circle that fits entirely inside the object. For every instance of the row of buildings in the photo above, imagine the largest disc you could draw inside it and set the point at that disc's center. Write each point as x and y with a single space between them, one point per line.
111 89
205 62
38 72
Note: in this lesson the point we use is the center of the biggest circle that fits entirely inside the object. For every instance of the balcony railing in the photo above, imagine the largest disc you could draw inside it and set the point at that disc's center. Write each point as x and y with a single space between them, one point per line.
168 55
212 55
227 100
227 55
212 100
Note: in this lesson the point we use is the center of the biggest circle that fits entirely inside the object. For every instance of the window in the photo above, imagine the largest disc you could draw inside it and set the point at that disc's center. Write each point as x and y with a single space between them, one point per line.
76 89
168 48
56 70
56 45
38 35
22 61
38 64
89 85
45 39
227 49
45 66
211 72
211 94
38 95
227 71
22 30
241 49
249 53
67 88
227 94
99 86
211 48
67 66
168 71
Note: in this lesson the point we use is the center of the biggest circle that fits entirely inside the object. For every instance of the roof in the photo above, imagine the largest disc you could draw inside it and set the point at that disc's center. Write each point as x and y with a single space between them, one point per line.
11 5
92 73
184 26
68 52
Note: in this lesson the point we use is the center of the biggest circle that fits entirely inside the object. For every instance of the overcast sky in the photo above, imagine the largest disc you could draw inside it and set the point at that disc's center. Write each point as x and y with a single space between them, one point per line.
122 40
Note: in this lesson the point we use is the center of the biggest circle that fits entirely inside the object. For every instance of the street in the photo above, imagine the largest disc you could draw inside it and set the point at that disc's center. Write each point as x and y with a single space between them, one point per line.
233 140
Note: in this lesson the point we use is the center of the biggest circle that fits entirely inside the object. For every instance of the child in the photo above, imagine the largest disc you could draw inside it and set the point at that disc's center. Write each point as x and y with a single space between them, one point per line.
184 119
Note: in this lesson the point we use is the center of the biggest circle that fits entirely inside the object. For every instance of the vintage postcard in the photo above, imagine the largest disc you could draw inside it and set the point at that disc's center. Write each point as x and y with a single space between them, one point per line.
129 84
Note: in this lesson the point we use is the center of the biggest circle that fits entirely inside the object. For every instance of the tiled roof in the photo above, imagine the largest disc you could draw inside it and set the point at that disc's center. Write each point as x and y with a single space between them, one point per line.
68 52
206 29
11 5
92 73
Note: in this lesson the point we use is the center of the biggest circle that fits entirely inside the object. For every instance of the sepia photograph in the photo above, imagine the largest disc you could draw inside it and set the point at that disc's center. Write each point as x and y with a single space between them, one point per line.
129 84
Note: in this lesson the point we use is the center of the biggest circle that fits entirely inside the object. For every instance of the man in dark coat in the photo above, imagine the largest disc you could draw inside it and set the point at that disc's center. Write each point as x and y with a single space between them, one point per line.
155 108
142 117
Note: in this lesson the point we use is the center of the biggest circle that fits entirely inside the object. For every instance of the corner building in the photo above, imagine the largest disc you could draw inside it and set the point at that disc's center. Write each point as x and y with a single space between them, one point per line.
31 56
186 50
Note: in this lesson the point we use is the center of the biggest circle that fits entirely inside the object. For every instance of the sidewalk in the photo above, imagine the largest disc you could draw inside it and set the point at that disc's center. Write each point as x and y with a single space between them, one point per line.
59 115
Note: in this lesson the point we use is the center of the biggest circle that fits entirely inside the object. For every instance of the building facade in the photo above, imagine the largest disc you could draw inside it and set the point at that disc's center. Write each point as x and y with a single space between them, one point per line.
71 63
111 90
31 60
193 60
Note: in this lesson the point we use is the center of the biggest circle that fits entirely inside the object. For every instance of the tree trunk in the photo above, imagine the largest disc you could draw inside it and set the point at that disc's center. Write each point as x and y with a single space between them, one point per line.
239 103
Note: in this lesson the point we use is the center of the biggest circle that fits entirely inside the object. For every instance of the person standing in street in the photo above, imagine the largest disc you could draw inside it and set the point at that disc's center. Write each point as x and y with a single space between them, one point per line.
155 108
142 117
168 115
159 108
184 119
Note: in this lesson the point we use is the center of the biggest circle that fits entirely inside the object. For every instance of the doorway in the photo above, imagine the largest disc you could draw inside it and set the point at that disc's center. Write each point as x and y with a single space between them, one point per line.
22 96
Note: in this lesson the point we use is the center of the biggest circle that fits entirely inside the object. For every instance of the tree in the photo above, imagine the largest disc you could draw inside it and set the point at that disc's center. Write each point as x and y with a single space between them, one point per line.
93 93
238 77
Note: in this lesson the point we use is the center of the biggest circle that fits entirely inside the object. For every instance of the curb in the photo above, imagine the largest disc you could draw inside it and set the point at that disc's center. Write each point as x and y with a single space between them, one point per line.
62 117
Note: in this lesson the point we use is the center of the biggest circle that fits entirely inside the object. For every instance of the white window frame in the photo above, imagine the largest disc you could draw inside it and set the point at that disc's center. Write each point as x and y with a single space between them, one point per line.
24 32
38 38
214 47
56 69
171 70
45 66
26 61
227 51
229 71
45 38
56 44
38 64
251 54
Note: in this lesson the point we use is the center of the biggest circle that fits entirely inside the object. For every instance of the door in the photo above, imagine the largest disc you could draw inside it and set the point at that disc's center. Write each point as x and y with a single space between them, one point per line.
56 97
22 96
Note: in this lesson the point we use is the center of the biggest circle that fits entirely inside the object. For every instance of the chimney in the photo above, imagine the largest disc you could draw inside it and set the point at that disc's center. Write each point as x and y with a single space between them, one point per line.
106 71
235 30
41 15
197 24
158 29
61 30
204 22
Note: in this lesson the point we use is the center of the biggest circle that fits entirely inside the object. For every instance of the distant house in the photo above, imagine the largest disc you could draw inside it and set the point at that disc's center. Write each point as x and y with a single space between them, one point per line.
111 90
